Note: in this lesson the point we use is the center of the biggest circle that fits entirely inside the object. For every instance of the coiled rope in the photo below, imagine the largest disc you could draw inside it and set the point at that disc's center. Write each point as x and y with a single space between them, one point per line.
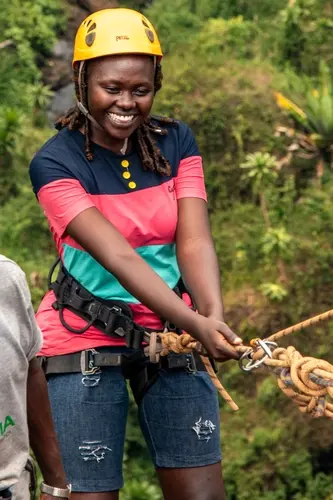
307 381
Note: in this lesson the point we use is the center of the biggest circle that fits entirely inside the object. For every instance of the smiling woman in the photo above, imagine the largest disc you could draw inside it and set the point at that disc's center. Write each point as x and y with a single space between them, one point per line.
120 96
125 198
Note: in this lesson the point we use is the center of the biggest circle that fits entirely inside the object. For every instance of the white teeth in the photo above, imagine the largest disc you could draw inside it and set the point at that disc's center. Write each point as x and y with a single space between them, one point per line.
121 118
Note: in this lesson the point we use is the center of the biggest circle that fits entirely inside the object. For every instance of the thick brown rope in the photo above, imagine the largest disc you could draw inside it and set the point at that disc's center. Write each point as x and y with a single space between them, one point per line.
307 381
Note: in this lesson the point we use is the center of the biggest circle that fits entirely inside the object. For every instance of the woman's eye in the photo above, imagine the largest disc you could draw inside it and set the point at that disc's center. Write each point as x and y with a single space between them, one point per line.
112 90
141 92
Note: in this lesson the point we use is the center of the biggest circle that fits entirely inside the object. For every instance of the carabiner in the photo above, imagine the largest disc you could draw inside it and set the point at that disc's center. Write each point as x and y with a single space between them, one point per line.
266 345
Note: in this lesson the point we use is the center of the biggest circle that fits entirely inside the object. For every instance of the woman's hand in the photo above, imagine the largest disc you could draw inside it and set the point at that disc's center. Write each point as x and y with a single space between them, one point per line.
217 338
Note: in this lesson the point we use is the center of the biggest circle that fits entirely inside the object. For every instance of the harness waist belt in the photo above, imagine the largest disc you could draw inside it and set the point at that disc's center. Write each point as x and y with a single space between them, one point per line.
91 361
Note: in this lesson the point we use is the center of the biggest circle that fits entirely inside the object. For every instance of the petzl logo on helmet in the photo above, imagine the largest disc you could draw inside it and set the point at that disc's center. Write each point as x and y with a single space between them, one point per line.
121 37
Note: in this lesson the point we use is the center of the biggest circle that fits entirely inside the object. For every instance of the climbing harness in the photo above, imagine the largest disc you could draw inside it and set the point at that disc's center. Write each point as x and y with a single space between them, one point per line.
114 318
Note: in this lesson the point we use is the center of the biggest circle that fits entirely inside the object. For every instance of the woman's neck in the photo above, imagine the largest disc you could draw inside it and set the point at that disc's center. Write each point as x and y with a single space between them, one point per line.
118 146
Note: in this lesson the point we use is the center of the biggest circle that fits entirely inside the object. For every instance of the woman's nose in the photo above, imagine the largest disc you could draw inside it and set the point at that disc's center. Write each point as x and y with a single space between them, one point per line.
126 101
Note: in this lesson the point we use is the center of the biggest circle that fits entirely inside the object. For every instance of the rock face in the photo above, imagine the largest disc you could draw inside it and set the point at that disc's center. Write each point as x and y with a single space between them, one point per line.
58 72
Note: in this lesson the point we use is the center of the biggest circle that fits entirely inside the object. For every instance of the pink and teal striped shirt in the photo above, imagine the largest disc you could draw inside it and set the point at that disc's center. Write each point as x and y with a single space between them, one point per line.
142 205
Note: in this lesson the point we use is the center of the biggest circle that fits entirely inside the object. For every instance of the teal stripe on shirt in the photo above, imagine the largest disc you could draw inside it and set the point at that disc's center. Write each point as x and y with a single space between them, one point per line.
93 276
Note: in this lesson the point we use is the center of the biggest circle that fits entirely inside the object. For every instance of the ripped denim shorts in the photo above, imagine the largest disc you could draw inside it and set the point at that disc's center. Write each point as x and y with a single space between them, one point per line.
179 418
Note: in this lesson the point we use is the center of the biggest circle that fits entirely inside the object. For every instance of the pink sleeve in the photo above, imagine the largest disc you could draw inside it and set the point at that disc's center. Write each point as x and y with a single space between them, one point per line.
190 182
62 200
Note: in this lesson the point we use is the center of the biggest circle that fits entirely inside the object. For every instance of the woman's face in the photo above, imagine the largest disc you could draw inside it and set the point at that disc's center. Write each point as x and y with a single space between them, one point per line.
120 94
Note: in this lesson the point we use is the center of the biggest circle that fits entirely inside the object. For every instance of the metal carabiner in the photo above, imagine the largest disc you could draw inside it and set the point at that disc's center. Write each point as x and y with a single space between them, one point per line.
266 345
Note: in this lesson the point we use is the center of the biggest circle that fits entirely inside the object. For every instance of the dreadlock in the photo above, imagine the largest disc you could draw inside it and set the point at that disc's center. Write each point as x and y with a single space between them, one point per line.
150 154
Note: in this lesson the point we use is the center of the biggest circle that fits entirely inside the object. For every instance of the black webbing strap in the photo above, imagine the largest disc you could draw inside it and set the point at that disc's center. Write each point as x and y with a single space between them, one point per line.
85 362
114 318
92 360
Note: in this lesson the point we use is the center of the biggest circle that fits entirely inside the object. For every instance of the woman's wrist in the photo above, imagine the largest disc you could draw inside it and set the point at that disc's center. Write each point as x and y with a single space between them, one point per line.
198 326
56 478
213 312
56 491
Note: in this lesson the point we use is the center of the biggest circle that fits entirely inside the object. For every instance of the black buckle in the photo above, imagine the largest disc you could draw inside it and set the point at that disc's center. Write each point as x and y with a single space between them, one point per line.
181 361
87 362
191 364
133 336
93 309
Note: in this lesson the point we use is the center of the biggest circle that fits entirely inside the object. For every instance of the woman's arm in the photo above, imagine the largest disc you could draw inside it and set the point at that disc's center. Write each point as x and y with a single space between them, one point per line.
107 245
42 435
197 258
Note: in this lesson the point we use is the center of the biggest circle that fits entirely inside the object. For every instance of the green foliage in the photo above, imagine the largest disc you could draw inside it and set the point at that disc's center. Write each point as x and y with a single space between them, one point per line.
274 291
312 109
277 243
306 35
254 10
234 36
9 130
176 26
292 39
32 26
261 170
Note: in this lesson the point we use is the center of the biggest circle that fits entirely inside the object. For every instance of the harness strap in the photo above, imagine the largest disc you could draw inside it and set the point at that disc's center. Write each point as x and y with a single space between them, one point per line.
91 360
85 362
114 318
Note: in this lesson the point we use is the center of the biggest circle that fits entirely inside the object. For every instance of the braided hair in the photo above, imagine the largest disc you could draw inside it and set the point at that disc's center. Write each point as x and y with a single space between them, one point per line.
150 154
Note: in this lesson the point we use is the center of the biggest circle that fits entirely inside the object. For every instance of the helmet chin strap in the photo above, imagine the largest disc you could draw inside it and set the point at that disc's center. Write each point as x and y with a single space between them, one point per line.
124 148
86 113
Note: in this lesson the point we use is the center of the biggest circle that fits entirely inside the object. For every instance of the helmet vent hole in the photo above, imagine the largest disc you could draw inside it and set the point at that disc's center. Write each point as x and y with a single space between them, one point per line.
150 35
144 22
88 22
90 38
91 28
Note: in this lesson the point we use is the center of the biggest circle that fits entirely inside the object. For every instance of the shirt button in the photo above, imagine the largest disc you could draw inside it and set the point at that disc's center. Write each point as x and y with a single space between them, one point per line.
126 175
125 163
132 185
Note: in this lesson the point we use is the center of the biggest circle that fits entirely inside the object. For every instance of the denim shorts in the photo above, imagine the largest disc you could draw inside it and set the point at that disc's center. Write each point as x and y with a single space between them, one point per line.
179 418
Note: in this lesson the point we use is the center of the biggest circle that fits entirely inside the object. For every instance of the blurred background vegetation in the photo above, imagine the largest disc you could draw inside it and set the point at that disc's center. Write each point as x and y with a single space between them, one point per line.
254 81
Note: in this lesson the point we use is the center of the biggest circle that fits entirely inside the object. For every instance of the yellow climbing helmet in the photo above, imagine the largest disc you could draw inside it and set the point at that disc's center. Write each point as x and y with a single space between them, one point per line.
115 31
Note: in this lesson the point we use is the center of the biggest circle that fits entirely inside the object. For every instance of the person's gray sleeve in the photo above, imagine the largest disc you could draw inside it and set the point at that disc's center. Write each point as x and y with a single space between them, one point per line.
16 304
36 334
